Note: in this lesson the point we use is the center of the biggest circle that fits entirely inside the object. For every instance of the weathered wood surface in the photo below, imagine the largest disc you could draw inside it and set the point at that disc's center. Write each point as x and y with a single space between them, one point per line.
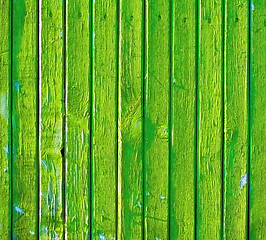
236 117
24 82
126 119
78 118
257 185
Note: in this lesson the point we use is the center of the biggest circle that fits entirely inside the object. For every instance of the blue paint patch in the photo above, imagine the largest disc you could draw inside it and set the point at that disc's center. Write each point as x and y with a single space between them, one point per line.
4 106
6 150
252 6
31 232
139 204
14 236
61 35
243 181
46 165
18 209
102 237
162 197
55 235
17 85
157 238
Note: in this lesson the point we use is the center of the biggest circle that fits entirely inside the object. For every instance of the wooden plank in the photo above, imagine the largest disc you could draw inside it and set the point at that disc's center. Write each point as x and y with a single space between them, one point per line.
104 130
130 99
210 122
183 121
236 120
51 119
5 121
257 219
157 76
24 120
78 84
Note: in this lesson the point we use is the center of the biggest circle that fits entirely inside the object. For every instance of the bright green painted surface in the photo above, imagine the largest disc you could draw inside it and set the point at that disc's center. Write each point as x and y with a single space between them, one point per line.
24 120
51 89
236 120
126 119
183 121
156 117
104 124
209 120
5 121
130 122
78 82
257 121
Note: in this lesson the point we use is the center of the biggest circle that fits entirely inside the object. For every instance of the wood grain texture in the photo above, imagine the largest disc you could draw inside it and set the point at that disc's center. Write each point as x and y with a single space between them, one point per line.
157 75
24 120
130 121
236 120
78 83
183 121
5 121
51 119
210 122
104 125
257 219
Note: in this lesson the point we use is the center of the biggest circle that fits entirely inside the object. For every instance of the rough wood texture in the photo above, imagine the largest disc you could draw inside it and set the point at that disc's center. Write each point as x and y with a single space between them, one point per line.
104 126
156 116
124 119
5 121
183 121
257 219
236 120
51 119
210 122
130 192
78 82
24 120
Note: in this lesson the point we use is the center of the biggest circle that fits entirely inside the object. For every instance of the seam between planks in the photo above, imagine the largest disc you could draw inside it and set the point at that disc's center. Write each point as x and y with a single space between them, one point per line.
249 35
91 114
38 107
197 42
64 111
118 129
144 79
223 76
170 143
10 119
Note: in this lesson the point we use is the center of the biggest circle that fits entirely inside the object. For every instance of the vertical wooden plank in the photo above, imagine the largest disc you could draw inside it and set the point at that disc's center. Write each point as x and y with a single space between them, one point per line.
51 119
236 120
210 122
157 75
24 119
257 219
104 152
183 121
130 99
5 120
78 120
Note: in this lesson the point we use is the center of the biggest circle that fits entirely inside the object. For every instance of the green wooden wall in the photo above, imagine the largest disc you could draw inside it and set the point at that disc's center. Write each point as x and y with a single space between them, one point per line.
124 119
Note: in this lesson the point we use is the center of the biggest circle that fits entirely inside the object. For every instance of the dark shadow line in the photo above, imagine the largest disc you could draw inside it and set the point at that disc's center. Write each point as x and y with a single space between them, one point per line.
64 108
117 114
10 147
249 78
144 76
197 25
91 119
223 65
38 118
171 62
